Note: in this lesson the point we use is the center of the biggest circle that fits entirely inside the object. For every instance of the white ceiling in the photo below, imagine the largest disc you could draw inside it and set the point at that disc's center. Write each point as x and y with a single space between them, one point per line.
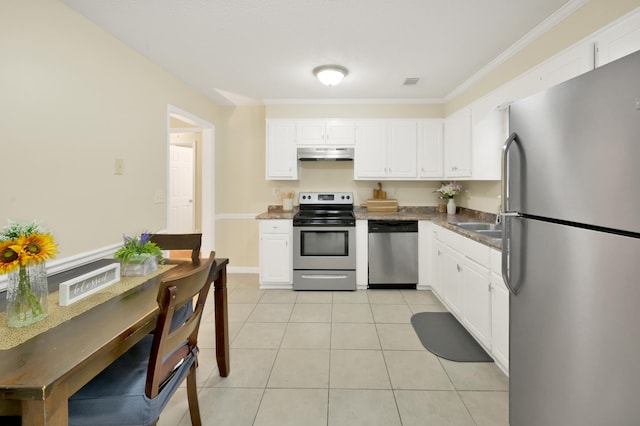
263 51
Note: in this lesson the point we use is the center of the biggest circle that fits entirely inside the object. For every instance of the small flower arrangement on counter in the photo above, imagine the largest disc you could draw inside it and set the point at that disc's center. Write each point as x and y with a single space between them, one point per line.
449 190
139 256
23 251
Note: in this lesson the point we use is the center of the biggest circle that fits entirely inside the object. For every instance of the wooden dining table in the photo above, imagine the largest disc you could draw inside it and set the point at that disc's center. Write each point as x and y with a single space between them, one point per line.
38 376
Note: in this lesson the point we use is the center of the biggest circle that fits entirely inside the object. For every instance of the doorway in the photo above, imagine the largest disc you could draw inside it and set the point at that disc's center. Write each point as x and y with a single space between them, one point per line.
190 176
182 183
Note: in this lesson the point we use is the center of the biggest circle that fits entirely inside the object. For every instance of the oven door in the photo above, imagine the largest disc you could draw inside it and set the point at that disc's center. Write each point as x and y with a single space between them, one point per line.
324 248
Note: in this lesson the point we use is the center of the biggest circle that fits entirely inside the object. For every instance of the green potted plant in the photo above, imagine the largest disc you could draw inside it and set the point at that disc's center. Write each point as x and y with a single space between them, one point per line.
139 256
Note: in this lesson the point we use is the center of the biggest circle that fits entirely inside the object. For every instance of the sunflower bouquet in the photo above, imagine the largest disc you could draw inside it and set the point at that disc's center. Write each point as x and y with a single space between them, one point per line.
23 251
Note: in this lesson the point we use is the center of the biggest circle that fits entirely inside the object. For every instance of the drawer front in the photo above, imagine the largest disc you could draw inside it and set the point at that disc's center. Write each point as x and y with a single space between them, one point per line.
324 280
276 226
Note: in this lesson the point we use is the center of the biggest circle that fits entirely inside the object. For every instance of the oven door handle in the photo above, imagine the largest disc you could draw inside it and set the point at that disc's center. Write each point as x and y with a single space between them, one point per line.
324 277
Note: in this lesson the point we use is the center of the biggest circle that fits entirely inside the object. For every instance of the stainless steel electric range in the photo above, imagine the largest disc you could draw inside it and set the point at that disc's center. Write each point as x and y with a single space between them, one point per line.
324 242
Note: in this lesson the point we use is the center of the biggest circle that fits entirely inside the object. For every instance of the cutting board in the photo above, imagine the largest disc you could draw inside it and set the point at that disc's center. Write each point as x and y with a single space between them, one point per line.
382 206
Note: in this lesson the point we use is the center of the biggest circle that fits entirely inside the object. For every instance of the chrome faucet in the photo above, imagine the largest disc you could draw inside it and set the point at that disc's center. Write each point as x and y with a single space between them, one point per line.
499 215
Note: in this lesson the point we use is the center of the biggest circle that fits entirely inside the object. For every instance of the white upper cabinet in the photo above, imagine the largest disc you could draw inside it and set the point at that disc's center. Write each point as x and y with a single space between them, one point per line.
281 160
325 132
401 148
457 144
490 128
385 149
371 146
618 41
430 149
490 117
571 63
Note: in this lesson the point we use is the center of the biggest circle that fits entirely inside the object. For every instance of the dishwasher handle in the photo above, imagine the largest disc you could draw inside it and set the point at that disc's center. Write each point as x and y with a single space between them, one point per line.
392 226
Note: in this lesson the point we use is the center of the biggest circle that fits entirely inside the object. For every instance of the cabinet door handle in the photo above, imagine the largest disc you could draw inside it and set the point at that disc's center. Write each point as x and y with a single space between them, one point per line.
458 268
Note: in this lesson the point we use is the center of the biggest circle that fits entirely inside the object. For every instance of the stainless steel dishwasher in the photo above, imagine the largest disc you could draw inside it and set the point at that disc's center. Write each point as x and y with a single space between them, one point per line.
393 254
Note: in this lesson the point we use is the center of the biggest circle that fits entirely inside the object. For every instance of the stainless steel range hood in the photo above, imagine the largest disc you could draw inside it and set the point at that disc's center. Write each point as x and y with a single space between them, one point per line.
325 154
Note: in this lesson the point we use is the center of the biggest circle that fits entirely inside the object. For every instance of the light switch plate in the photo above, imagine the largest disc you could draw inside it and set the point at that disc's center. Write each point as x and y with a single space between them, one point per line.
119 166
159 196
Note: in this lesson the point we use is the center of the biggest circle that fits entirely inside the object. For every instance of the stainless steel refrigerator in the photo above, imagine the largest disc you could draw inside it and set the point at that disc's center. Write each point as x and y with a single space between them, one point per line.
571 250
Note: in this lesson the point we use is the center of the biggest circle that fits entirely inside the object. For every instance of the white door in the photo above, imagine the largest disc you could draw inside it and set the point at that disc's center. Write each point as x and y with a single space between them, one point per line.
181 189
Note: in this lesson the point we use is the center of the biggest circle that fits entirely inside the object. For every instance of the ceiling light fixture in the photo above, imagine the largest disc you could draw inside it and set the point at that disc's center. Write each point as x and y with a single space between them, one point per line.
330 75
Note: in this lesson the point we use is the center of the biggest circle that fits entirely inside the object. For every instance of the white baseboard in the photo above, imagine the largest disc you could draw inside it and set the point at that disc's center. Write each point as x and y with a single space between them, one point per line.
276 286
243 270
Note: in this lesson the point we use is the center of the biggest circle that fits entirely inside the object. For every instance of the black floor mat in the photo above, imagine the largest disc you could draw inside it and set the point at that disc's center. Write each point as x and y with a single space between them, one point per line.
444 336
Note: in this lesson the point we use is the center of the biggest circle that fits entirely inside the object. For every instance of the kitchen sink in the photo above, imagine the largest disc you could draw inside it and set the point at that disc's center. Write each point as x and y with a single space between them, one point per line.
487 229
491 233
479 226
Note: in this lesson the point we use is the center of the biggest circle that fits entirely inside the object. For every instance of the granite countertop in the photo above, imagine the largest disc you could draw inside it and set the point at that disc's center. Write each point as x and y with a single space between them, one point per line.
276 212
413 213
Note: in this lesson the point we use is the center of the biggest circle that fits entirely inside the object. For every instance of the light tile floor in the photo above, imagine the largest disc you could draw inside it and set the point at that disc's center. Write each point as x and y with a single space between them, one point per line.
335 358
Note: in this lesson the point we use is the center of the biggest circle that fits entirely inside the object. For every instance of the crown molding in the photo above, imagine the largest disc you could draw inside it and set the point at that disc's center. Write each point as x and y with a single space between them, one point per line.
560 15
359 101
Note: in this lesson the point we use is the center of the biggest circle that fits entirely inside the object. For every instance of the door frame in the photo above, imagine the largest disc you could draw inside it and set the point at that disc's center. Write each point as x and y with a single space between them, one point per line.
207 175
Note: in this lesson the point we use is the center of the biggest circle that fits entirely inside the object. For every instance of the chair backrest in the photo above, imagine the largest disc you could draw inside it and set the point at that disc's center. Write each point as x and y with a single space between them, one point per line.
179 242
171 344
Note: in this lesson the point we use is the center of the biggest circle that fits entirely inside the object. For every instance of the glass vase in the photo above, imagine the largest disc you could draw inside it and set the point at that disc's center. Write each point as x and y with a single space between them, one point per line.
27 295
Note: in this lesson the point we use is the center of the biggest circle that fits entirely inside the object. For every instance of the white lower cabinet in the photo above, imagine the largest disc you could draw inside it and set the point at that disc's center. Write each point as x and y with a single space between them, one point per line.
477 300
276 253
453 282
465 276
499 314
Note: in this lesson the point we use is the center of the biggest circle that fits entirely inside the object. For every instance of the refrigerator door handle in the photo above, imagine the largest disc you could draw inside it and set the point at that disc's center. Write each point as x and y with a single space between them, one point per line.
506 252
513 137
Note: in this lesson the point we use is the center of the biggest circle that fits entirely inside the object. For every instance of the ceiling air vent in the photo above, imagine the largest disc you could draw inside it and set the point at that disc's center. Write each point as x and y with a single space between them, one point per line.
411 81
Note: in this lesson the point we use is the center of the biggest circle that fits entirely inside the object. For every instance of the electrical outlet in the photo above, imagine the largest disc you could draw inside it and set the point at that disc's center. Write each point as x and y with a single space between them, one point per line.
276 191
119 166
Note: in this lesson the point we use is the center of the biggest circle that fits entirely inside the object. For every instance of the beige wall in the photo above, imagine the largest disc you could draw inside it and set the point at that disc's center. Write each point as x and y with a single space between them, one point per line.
73 99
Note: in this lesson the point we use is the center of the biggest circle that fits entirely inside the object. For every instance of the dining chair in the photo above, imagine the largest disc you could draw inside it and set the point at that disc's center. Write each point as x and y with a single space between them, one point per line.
137 386
179 242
